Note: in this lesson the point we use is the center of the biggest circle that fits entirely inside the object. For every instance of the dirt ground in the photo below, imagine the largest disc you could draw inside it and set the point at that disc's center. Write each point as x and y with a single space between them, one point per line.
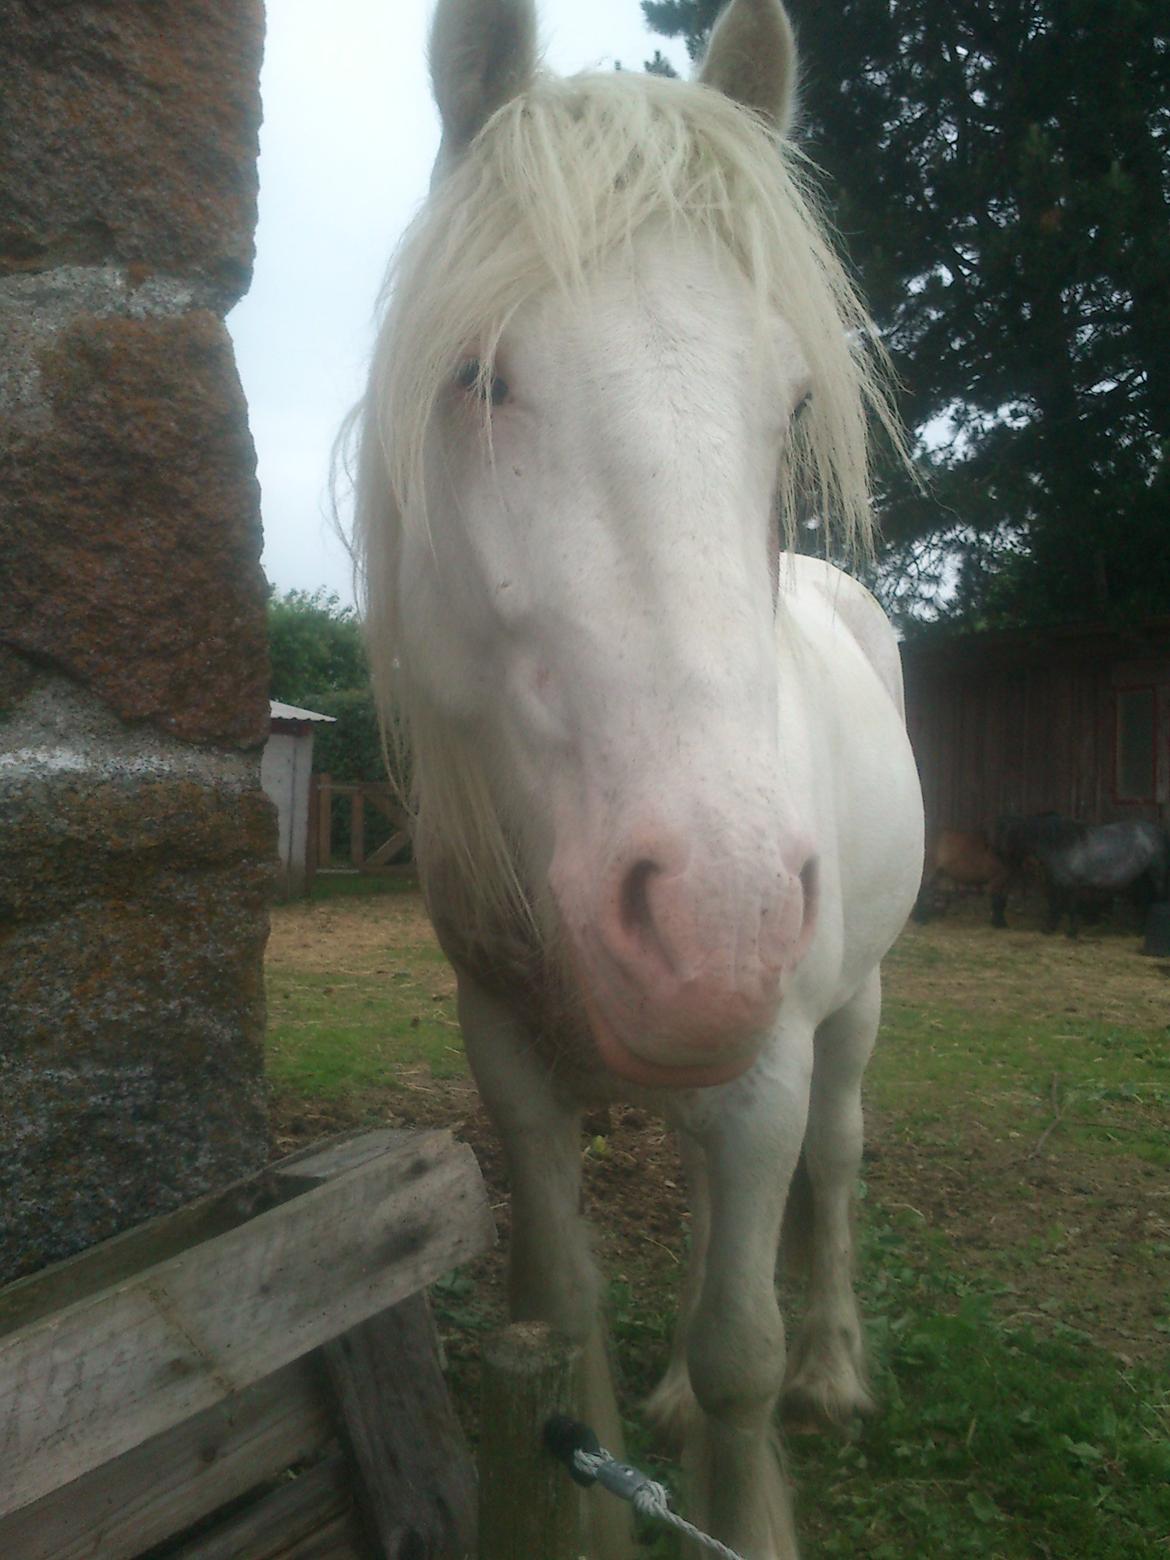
1077 1238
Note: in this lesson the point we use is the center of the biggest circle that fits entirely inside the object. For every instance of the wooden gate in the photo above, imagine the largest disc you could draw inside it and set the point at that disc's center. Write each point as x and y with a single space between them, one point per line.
378 795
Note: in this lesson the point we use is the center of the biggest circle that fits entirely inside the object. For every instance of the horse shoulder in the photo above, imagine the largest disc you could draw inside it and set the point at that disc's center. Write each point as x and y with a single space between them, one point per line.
857 610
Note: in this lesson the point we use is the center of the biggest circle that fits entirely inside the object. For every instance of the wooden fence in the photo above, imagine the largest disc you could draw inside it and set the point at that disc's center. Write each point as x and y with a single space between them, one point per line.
254 1376
376 796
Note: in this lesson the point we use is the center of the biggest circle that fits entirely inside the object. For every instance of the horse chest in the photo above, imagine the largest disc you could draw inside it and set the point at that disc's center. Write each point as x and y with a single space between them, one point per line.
511 962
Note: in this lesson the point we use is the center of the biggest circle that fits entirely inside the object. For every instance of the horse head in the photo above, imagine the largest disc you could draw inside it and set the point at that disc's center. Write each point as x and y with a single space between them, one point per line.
617 349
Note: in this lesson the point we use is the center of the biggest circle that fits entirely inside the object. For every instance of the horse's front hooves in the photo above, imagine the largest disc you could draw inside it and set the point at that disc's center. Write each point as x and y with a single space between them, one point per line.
671 1411
815 1411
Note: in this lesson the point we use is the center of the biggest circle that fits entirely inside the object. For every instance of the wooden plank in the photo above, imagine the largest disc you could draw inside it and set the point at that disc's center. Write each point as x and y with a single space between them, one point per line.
415 1475
89 1382
321 1161
280 1522
324 792
381 857
165 1485
357 828
341 1539
28 1299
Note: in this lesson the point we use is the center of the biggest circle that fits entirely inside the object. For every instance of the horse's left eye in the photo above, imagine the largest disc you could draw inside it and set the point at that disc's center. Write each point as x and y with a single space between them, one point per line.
801 406
471 377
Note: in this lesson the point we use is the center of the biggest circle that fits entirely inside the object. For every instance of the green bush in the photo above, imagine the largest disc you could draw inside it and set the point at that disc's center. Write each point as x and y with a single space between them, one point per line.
319 663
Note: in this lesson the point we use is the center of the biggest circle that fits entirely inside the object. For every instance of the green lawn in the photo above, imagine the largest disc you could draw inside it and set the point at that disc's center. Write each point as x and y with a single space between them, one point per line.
350 1012
993 1439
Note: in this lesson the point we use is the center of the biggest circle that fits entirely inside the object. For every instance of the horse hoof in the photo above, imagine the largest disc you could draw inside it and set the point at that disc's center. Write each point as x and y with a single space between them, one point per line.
671 1412
808 1412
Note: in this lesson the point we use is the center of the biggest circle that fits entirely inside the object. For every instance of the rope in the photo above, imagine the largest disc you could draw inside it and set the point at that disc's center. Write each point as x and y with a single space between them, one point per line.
589 1463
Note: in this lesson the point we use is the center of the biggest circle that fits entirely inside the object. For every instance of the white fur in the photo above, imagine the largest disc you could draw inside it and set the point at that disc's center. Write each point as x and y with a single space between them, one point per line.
752 58
577 615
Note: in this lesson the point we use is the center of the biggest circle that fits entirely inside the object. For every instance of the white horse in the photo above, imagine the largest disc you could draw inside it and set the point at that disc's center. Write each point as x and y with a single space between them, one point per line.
668 820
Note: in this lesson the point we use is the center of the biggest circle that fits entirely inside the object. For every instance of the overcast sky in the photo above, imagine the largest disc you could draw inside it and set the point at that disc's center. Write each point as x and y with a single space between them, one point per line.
346 148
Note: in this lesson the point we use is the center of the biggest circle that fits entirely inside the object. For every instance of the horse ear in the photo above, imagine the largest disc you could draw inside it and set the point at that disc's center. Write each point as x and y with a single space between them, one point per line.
752 58
482 54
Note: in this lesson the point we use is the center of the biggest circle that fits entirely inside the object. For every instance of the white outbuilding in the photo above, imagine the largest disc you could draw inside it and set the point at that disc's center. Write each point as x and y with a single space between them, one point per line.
285 771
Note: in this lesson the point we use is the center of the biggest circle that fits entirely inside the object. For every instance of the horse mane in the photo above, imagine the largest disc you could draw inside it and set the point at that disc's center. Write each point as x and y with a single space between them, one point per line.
559 177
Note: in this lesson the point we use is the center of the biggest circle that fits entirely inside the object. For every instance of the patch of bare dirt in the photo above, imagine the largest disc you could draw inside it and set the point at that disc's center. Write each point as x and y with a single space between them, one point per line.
346 936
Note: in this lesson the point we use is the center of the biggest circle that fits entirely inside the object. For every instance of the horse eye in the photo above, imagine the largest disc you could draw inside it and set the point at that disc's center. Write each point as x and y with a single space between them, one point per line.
801 406
470 377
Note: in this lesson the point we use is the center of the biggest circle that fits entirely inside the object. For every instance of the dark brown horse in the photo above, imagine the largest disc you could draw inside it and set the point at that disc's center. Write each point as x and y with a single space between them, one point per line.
963 859
1087 862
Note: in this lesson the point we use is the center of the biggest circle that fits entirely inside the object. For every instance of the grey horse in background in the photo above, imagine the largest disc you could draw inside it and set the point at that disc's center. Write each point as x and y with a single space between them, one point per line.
1084 859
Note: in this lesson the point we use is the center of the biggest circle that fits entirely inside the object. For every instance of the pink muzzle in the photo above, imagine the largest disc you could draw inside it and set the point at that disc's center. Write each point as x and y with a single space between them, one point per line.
681 972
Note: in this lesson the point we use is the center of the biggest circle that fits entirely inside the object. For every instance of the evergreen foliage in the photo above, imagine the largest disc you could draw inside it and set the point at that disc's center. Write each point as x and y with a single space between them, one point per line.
319 663
1000 173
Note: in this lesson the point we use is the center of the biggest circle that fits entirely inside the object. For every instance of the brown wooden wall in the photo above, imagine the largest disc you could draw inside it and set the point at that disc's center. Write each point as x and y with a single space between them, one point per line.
1028 723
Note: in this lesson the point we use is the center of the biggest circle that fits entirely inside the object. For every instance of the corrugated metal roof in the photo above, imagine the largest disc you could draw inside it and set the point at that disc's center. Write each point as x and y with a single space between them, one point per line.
278 711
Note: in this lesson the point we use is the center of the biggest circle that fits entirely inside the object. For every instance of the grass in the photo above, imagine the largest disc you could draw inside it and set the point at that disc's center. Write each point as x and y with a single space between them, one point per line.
343 884
331 1036
1025 1083
349 1014
991 1442
1036 1028
993 1439
1110 1085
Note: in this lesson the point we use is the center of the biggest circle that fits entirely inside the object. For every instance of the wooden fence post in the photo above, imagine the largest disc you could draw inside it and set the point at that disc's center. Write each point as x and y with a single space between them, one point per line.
528 1504
417 1479
357 827
324 820
312 834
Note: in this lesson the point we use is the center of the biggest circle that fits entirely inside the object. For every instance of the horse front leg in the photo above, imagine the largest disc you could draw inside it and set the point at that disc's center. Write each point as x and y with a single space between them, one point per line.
998 892
671 1407
826 1382
751 1134
552 1276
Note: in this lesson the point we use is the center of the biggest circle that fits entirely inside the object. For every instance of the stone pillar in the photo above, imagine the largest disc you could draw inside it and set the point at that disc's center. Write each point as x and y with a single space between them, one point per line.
136 845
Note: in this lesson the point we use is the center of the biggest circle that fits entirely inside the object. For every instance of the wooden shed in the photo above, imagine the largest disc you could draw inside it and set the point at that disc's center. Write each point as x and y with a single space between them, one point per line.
285 769
1072 719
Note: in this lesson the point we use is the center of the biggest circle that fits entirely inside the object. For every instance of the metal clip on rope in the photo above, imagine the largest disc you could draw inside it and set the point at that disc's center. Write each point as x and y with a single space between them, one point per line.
589 1463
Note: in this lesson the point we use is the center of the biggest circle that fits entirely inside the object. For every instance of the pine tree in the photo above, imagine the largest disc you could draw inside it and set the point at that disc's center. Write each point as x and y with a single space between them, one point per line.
1000 173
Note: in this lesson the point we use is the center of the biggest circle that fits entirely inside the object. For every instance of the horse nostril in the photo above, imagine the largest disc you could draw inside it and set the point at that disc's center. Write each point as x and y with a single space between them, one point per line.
636 916
810 885
645 937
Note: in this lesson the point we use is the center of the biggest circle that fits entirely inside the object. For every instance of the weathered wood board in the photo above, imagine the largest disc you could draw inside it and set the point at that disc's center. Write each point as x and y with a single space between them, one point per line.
417 1486
313 1514
367 1226
165 1485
